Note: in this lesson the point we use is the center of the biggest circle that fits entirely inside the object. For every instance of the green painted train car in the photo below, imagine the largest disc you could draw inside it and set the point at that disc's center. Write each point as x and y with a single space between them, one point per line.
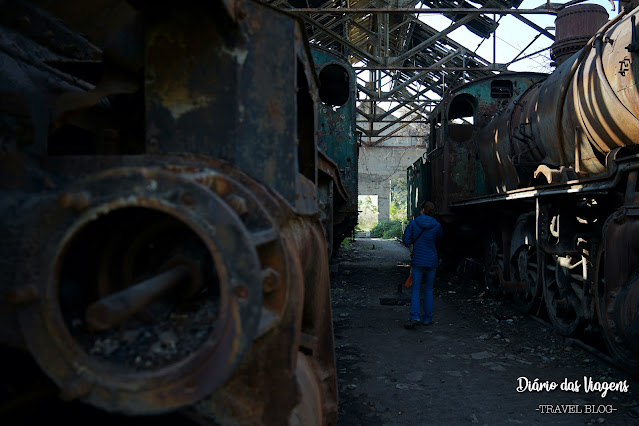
337 144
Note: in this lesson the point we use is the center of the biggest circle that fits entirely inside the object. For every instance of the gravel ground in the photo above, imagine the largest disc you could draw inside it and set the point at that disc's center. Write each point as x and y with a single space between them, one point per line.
467 366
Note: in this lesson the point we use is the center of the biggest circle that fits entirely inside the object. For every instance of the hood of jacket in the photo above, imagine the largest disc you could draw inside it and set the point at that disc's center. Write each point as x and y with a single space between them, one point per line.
426 222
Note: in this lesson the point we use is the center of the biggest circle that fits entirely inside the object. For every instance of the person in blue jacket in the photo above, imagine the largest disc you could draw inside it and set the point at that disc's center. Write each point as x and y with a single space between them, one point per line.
423 233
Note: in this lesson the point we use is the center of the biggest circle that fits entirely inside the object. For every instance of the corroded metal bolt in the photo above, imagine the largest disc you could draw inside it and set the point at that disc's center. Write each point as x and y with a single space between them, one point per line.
270 280
238 204
241 292
220 185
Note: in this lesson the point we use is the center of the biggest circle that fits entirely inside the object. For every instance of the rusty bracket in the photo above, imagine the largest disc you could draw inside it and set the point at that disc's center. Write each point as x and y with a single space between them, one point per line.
634 45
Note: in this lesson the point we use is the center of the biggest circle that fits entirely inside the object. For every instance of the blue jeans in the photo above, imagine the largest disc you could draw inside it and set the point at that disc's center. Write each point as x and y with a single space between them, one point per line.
427 275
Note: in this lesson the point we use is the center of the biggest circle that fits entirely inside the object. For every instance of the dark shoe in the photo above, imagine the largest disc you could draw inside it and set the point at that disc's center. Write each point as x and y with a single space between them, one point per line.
428 323
410 325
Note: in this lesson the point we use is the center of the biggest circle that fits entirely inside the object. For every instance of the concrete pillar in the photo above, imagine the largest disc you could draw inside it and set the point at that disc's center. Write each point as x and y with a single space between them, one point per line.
377 166
383 200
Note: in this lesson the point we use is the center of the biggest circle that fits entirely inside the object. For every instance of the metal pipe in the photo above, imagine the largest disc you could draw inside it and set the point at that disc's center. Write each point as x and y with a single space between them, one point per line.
494 41
430 68
537 52
442 10
116 307
423 45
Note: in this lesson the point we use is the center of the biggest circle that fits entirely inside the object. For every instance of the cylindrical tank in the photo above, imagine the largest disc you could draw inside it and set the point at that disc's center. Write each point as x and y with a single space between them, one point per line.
588 105
573 28
603 98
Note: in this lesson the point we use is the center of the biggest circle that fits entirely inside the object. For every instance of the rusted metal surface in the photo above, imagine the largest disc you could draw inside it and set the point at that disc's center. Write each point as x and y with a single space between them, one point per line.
572 118
162 248
573 28
418 186
117 307
183 108
470 151
556 205
136 229
338 142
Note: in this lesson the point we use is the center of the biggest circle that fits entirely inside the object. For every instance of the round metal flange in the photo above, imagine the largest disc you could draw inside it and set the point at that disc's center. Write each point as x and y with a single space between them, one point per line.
232 291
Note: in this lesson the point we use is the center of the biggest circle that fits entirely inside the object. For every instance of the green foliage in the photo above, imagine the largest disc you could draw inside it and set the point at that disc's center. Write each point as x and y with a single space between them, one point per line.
346 242
396 212
388 229
366 203
368 211
398 197
367 217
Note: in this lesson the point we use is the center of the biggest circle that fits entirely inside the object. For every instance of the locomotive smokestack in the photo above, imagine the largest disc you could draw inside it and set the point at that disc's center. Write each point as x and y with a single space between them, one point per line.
574 26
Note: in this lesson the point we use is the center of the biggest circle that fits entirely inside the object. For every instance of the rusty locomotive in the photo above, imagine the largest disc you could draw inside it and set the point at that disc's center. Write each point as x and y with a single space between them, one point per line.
537 174
338 144
169 204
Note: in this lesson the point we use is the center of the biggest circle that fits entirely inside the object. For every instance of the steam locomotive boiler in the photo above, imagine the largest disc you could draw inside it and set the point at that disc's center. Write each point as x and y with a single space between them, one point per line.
542 170
164 199
338 144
